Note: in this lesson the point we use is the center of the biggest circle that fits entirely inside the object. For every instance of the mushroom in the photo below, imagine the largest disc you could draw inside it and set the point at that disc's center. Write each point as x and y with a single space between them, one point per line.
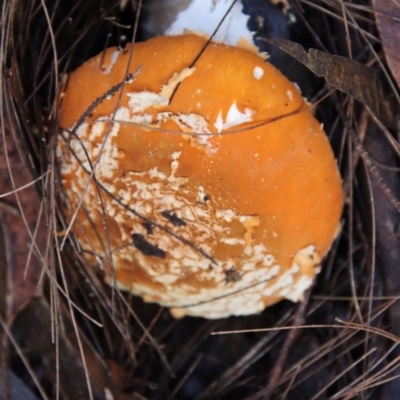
215 191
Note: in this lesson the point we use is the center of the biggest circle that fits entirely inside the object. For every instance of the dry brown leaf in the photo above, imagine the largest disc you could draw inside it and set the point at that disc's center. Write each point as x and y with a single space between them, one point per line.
387 228
348 76
21 268
387 14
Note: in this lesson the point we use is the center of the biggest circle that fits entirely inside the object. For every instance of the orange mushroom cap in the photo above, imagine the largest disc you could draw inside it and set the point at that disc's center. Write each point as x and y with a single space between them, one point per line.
217 199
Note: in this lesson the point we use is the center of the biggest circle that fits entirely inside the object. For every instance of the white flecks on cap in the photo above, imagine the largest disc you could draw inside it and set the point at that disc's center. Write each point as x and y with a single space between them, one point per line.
232 241
141 101
197 126
96 131
178 77
194 122
114 58
258 73
233 118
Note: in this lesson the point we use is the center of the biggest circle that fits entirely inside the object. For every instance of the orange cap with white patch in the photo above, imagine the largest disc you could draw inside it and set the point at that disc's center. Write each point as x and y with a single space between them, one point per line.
216 191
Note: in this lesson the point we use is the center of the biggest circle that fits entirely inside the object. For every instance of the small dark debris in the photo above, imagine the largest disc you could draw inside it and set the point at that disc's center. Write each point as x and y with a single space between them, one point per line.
149 227
173 218
146 247
231 275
